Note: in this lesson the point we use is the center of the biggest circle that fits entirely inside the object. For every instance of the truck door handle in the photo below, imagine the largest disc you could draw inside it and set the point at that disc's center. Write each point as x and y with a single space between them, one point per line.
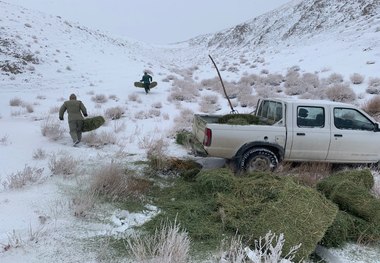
301 134
338 135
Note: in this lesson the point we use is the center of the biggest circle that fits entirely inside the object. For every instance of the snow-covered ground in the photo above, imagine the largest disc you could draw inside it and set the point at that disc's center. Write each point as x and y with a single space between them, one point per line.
37 221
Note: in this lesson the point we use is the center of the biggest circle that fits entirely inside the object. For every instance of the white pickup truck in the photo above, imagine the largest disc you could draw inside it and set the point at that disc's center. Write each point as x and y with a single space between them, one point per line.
293 130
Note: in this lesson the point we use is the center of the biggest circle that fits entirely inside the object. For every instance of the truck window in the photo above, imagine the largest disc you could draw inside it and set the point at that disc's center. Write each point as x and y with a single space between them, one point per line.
310 117
351 119
270 111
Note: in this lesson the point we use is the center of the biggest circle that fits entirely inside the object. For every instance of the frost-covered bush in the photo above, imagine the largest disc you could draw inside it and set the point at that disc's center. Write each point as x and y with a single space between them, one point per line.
373 86
99 98
98 140
183 121
168 244
21 178
133 97
372 106
114 113
334 78
274 79
208 104
248 80
184 90
64 165
39 154
15 102
157 105
52 129
356 78
341 93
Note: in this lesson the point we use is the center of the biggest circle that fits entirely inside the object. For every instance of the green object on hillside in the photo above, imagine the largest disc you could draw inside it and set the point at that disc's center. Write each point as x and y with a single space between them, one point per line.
93 123
350 228
359 217
239 119
141 84
217 204
359 177
279 204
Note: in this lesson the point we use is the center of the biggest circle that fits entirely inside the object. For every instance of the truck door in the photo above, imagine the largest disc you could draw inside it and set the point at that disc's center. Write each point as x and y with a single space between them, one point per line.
353 137
311 133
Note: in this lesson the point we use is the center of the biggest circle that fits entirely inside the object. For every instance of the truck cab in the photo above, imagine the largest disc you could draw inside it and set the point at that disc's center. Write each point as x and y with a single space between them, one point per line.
293 130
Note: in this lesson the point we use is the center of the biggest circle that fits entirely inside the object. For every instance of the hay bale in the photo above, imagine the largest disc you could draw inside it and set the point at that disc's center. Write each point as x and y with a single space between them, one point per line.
349 228
360 177
261 203
239 119
357 200
93 123
215 180
302 214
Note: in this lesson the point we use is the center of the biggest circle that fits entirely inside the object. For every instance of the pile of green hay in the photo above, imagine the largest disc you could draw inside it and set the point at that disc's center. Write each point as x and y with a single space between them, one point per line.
218 204
266 202
359 216
347 227
93 123
239 119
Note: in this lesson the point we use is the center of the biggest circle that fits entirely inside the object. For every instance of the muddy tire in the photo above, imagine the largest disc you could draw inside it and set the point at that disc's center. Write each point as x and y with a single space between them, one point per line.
258 159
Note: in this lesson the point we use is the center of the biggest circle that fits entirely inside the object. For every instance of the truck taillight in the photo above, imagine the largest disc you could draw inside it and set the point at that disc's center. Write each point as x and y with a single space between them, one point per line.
207 137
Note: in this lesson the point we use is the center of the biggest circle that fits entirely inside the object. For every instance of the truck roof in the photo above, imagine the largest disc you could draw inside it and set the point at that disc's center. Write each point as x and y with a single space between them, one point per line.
312 102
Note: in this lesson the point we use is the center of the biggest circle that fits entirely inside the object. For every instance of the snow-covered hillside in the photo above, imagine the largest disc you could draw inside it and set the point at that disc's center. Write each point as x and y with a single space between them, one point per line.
44 58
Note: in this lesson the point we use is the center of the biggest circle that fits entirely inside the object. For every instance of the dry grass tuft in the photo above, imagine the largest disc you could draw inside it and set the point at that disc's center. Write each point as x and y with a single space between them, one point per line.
168 244
22 178
51 128
64 165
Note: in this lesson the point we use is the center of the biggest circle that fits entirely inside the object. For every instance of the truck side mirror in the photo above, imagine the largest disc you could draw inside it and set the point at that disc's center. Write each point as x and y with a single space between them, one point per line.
377 129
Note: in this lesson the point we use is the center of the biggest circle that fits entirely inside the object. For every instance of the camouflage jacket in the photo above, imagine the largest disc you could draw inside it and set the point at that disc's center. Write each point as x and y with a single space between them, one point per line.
74 108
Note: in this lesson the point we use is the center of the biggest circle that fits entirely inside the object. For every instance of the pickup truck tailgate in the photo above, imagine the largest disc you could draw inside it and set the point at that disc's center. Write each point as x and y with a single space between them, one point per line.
200 122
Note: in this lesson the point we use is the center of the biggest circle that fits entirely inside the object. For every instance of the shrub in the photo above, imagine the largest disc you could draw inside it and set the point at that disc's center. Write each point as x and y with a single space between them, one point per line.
51 128
39 154
372 106
93 139
335 78
373 86
64 165
133 97
356 78
15 102
156 151
157 105
22 178
99 98
184 120
168 244
111 181
114 113
341 93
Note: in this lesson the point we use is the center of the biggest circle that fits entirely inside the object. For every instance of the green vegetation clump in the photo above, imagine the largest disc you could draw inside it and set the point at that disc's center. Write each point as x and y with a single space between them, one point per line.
359 177
347 227
239 119
218 204
359 217
93 123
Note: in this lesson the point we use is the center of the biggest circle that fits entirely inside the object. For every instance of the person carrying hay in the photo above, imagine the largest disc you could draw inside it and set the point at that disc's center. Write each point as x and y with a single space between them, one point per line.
75 109
146 80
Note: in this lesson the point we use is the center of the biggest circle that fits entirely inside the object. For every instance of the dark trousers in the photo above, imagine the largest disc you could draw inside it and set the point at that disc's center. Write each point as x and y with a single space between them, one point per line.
146 87
76 130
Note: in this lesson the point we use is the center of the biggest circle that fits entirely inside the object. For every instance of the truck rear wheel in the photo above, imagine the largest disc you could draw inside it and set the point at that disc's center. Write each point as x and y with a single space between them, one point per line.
258 159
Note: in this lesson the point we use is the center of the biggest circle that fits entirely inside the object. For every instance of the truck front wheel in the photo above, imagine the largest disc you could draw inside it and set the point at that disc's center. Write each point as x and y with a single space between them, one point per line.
258 159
